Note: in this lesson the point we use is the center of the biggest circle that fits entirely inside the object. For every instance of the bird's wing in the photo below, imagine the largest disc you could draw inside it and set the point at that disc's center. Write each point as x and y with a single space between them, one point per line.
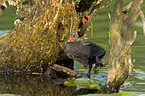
94 50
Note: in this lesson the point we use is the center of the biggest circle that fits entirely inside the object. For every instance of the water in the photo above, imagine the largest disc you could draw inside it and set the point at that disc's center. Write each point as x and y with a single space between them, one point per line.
24 84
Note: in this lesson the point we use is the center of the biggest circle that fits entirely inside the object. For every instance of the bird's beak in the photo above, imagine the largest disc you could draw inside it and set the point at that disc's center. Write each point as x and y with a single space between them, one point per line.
71 39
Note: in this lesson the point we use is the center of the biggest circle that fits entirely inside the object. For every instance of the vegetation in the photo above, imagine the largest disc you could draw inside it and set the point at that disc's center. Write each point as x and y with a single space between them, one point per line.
120 42
34 44
116 94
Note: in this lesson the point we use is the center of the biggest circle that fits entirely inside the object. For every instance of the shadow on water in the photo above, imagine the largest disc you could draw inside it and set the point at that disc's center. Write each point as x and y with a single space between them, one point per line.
32 85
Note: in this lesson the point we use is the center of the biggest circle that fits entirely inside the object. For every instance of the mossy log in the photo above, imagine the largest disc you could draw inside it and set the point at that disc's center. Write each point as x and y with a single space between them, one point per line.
35 40
35 43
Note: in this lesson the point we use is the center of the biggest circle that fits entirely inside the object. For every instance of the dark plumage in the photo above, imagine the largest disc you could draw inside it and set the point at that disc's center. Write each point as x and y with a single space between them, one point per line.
65 61
83 5
84 52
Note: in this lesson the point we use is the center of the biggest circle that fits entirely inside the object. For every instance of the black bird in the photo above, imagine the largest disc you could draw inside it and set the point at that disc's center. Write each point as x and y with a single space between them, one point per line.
64 60
84 52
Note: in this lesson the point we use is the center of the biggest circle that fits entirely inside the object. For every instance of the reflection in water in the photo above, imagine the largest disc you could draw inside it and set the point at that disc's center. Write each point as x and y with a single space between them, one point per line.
30 85
4 32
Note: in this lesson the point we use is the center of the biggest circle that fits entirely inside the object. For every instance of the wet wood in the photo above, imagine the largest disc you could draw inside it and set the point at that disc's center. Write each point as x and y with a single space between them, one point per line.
65 70
143 21
119 43
58 69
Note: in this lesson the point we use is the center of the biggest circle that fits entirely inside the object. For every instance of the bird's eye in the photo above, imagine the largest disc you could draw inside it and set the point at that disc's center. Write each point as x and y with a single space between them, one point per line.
73 35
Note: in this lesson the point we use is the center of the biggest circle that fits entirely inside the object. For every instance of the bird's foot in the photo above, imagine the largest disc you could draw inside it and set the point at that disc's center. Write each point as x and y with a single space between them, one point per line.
88 76
101 64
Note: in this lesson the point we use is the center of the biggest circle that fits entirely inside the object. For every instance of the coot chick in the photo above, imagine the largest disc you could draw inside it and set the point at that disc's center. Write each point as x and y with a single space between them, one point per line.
84 52
64 60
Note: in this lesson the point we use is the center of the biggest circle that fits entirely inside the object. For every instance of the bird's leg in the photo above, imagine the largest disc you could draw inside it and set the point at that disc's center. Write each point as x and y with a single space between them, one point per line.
99 63
97 60
100 60
90 67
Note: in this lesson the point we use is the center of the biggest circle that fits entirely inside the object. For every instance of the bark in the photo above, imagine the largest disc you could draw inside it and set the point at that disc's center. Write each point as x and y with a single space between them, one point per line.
34 44
143 21
119 42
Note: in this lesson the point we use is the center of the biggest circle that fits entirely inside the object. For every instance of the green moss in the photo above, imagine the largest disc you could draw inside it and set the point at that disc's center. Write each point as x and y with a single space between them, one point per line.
35 39
83 83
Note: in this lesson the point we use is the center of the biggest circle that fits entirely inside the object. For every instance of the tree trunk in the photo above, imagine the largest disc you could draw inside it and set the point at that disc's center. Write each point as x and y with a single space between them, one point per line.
35 44
119 42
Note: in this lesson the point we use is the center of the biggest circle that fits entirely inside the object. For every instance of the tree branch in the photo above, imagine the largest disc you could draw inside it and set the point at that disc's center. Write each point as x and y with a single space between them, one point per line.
127 7
128 45
143 21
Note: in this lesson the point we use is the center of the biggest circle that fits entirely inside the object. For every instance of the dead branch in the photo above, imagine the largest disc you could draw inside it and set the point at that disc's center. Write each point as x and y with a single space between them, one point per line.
127 7
128 45
143 21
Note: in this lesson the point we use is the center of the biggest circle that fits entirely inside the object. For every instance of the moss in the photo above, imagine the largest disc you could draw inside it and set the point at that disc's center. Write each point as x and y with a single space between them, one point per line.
35 39
35 42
